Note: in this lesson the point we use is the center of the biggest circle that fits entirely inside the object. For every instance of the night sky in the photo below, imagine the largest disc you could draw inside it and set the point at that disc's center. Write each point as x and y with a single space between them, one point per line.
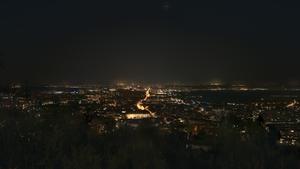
149 41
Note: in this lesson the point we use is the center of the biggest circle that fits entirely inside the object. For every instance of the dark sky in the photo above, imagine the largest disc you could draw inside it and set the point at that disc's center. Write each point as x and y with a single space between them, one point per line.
150 40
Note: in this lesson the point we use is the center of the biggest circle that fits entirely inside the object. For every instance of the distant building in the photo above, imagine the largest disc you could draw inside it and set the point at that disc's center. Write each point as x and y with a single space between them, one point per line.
138 116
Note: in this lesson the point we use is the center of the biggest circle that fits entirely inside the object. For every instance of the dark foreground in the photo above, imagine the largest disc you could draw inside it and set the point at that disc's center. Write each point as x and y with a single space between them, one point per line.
65 141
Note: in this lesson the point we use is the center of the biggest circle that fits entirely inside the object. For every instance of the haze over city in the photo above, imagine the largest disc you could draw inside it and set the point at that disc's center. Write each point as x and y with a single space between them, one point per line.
157 40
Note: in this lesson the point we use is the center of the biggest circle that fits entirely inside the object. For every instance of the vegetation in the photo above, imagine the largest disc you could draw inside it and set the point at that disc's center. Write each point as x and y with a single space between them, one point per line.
60 140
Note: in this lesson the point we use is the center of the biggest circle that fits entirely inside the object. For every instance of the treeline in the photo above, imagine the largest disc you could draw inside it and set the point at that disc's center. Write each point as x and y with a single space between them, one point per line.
59 140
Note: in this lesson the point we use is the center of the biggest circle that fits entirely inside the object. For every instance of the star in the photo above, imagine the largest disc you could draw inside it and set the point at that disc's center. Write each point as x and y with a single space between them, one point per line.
166 5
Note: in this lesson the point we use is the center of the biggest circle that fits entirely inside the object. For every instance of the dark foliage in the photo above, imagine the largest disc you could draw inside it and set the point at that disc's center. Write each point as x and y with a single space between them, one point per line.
60 140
